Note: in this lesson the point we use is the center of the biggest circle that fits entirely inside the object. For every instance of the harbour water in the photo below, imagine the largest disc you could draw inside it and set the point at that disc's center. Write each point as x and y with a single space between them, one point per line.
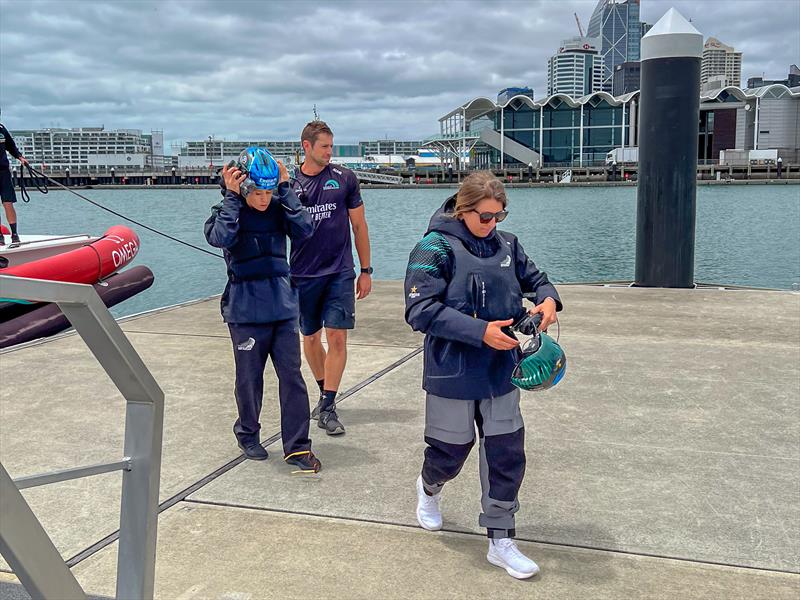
745 236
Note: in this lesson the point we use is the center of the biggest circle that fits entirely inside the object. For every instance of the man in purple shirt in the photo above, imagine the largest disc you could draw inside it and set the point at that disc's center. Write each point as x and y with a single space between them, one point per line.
322 265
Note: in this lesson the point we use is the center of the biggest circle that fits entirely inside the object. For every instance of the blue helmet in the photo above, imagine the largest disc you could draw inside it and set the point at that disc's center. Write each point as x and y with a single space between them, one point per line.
261 170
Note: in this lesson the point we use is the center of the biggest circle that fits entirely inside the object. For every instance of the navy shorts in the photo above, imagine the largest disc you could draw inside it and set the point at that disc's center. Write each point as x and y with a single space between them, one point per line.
327 301
7 187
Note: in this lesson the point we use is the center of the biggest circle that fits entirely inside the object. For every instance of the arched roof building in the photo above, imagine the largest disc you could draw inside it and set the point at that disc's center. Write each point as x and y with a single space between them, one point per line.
566 131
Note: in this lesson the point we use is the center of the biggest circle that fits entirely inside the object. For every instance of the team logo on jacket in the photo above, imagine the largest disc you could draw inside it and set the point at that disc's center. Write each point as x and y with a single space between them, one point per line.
246 345
413 293
331 184
506 261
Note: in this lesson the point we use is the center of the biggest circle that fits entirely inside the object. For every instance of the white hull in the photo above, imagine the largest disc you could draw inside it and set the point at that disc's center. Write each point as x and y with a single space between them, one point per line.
35 247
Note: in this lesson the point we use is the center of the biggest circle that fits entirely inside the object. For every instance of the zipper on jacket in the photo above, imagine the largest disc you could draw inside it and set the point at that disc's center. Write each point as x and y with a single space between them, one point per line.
475 293
478 290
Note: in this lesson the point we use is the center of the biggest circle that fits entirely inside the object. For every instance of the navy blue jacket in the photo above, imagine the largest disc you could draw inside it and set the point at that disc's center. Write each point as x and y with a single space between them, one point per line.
259 289
457 363
7 145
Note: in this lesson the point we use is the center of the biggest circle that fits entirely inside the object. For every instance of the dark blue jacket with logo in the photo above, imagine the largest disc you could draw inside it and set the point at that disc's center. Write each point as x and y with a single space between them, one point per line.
455 284
254 246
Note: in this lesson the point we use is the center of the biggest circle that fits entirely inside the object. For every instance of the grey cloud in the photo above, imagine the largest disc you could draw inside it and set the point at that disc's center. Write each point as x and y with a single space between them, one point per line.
251 69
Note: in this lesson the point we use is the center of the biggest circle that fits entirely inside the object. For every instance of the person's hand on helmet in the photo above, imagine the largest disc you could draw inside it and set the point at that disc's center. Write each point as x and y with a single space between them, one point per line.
286 197
495 338
548 309
233 177
528 323
284 172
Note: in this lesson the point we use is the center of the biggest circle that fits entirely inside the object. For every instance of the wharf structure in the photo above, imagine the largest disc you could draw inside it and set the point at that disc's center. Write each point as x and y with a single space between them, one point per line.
663 466
96 151
514 132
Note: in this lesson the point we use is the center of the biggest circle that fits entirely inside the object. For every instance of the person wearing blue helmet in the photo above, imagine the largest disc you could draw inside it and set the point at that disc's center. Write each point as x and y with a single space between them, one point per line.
259 210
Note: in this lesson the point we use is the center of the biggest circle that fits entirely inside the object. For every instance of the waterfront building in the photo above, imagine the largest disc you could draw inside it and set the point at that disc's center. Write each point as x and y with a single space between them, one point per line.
92 149
556 130
721 62
97 150
388 147
209 152
212 152
576 69
616 24
752 119
562 130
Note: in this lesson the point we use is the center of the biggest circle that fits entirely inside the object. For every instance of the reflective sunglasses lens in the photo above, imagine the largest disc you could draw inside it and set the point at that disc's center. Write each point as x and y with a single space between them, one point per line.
498 216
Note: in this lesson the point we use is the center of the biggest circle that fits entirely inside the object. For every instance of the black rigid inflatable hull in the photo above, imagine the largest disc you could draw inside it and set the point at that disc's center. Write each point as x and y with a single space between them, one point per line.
47 319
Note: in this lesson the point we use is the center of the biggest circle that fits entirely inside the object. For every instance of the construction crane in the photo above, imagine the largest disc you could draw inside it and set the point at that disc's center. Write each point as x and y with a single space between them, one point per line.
578 21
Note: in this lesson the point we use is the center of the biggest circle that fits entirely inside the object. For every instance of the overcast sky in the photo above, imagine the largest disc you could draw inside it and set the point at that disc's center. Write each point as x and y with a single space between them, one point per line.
247 69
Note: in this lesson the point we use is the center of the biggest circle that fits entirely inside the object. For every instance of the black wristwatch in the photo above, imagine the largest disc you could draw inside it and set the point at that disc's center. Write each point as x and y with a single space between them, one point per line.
368 270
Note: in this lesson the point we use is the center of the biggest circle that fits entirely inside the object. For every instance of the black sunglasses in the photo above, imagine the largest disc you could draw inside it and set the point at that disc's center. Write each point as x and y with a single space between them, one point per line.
486 217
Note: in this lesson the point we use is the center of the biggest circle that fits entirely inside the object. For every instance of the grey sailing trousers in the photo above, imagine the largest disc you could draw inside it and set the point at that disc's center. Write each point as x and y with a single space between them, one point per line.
450 426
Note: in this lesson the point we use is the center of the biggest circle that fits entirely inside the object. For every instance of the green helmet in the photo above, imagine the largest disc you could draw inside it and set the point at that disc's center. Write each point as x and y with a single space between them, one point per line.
542 365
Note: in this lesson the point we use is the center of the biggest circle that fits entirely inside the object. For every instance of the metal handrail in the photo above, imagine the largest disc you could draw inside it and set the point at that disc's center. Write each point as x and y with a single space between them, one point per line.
23 542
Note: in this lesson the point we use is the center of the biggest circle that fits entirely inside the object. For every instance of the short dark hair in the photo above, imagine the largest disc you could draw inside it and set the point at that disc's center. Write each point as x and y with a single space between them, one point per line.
313 130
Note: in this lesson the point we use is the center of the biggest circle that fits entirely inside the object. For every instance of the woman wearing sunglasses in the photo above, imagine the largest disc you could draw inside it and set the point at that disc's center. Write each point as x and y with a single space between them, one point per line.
464 288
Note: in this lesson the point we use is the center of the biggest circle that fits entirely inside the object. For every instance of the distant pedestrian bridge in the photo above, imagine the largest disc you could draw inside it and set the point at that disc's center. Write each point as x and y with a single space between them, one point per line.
378 178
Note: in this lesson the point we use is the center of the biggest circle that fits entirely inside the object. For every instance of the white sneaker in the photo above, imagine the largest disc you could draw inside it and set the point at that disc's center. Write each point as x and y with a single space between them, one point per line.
429 515
503 552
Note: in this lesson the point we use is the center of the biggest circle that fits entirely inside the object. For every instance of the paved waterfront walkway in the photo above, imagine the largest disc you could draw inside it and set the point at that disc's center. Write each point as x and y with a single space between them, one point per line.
665 465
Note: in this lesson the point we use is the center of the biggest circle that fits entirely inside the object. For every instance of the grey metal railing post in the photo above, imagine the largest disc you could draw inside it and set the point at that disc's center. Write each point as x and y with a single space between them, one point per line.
29 551
138 526
143 432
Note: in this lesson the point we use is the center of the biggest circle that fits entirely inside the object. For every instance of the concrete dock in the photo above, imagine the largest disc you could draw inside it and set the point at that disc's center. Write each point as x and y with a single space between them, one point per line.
665 465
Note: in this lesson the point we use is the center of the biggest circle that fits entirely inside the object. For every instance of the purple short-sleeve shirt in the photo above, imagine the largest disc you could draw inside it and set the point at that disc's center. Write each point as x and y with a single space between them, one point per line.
327 196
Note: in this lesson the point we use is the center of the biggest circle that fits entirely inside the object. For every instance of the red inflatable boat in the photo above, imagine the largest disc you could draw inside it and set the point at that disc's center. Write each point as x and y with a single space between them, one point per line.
88 264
